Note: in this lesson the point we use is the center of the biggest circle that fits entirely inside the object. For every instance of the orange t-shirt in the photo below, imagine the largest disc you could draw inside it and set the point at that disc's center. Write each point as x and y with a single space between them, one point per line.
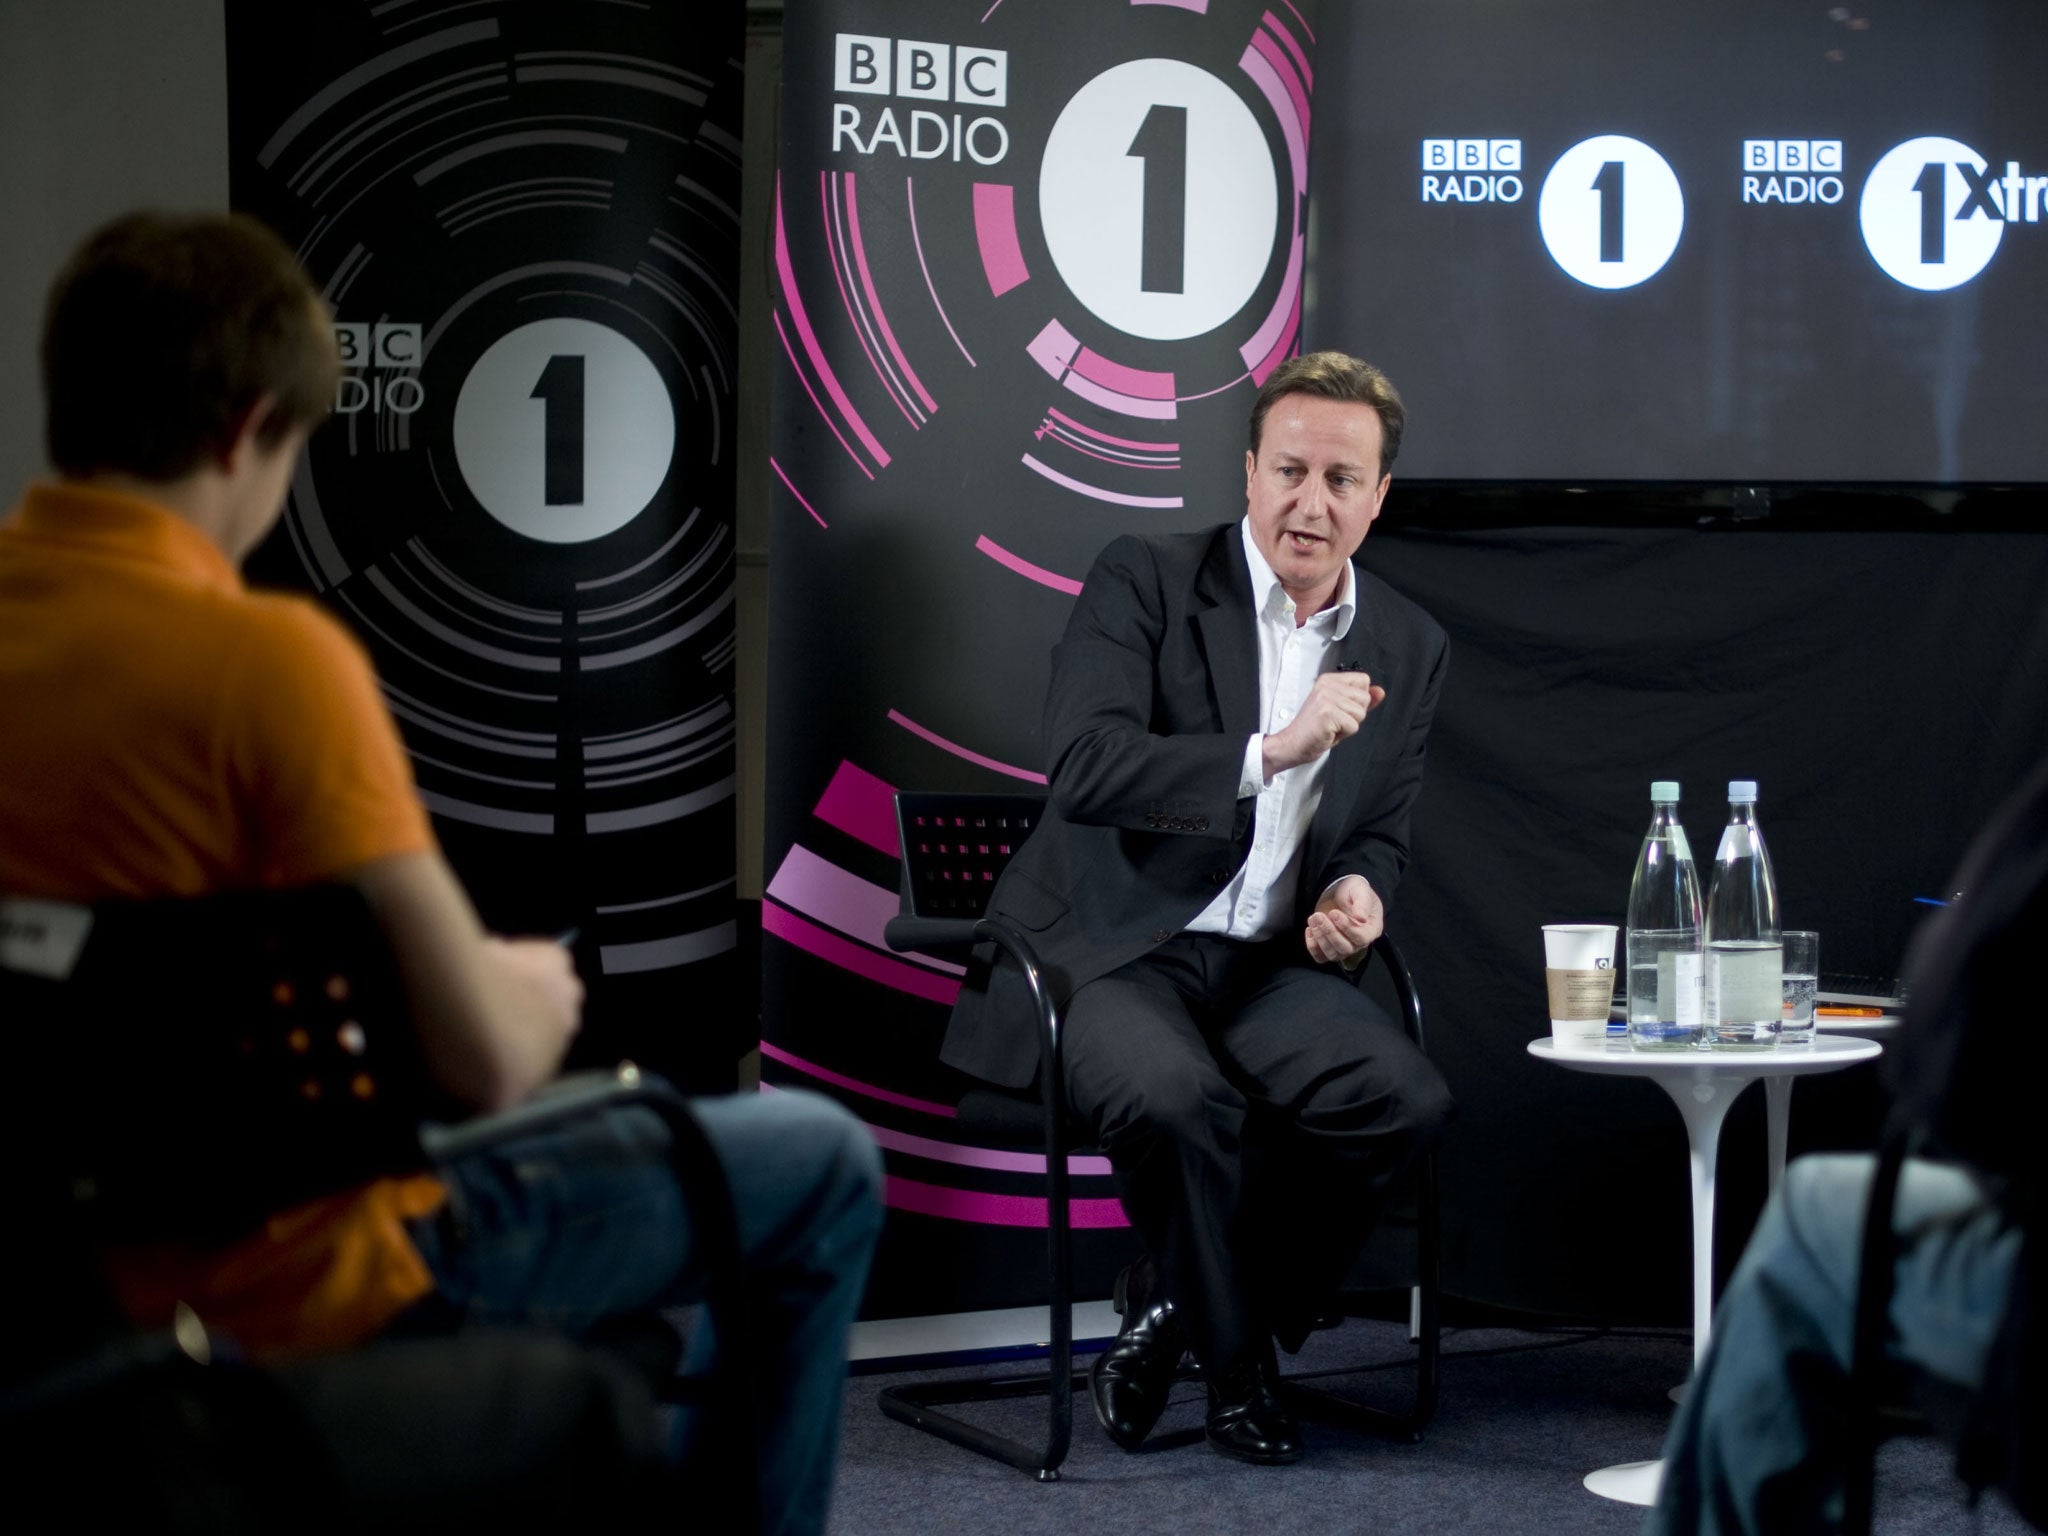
164 731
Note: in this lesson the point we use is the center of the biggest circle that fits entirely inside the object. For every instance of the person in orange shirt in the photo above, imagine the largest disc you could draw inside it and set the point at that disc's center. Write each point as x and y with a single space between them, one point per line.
172 732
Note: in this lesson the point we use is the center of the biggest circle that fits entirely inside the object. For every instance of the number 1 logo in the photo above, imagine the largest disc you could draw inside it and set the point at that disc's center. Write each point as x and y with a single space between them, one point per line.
1611 212
564 430
1162 143
1158 199
560 389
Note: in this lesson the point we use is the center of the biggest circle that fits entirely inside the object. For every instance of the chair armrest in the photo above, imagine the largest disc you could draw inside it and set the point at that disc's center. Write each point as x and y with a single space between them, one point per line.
1009 938
931 935
1403 981
938 935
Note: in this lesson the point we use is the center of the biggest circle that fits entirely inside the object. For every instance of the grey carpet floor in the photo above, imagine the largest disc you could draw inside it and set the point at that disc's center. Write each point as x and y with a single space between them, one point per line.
1523 1418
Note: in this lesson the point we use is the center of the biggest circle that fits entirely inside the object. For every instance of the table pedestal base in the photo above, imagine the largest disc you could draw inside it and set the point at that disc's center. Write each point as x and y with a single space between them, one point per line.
1632 1482
1703 1084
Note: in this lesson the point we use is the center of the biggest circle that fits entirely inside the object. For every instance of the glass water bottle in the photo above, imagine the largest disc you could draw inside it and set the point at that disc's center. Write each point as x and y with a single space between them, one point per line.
1744 959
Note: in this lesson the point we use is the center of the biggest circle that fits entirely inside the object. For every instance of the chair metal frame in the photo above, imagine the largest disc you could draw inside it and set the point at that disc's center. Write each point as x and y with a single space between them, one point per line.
918 1404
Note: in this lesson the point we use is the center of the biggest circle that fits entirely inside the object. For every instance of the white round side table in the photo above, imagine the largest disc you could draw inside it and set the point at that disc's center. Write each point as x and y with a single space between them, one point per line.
1703 1084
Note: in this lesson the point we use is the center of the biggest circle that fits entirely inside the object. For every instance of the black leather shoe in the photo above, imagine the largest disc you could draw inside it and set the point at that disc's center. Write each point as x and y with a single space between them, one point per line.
1246 1420
1131 1380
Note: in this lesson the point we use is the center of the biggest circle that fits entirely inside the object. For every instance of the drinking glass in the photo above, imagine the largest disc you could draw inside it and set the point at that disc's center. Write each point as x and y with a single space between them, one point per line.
1801 977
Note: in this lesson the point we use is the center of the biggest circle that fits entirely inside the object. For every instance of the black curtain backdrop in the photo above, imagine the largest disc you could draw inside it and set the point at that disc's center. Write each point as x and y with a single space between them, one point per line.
1886 689
525 220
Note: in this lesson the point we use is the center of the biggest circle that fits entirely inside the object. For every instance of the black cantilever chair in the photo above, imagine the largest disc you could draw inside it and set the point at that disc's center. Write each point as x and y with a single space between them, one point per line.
182 1069
954 846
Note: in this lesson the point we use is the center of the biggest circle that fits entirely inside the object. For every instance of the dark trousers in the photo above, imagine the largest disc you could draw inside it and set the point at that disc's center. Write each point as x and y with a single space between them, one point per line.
1256 1113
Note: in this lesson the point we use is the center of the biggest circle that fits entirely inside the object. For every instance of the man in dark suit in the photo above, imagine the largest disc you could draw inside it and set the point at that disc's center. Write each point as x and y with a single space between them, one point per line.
1235 732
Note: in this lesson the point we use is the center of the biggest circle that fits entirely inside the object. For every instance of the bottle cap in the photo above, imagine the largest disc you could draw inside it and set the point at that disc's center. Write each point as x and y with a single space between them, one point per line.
1742 791
1663 790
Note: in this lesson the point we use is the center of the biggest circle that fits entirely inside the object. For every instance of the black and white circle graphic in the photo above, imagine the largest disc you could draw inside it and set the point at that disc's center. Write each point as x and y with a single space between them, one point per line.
1170 237
563 430
1611 211
1917 216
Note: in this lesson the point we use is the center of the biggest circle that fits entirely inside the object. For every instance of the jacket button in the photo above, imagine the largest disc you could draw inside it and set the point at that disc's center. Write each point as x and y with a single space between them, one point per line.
1201 823
1218 876
1161 935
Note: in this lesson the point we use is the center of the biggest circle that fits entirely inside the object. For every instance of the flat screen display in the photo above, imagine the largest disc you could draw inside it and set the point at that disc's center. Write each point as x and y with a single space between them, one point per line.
1752 242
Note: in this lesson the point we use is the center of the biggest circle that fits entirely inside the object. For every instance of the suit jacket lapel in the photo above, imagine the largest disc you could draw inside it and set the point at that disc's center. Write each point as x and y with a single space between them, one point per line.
1370 647
1223 594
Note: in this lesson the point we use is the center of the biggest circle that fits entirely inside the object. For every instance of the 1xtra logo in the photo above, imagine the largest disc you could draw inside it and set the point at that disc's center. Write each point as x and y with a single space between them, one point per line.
385 349
1933 211
938 73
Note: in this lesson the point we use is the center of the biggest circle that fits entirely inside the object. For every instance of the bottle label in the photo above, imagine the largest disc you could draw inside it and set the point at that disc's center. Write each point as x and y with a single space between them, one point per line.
1743 983
1685 983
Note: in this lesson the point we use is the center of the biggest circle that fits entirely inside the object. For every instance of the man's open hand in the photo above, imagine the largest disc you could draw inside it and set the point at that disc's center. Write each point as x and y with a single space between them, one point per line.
1335 708
1345 921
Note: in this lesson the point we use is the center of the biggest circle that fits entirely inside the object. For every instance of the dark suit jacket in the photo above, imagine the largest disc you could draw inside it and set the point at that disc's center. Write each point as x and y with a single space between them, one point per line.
1155 688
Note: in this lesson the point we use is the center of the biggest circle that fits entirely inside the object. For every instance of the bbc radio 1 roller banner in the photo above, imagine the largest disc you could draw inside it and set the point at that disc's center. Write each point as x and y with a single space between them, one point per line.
1030 262
525 220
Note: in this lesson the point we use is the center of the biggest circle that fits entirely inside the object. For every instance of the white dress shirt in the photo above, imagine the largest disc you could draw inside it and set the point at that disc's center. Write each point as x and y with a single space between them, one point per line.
1259 900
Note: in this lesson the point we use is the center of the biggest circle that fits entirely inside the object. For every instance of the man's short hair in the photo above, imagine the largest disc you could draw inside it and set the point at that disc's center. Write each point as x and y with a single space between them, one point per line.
162 330
1336 376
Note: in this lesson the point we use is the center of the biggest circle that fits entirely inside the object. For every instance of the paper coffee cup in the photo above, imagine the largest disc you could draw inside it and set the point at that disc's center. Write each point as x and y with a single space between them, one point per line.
1578 974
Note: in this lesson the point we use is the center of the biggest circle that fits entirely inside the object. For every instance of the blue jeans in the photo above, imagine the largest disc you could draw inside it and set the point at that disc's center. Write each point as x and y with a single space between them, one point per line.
1758 1444
578 1226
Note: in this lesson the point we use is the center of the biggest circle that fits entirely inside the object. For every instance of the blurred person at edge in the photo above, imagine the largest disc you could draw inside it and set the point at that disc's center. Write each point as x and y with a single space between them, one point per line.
174 733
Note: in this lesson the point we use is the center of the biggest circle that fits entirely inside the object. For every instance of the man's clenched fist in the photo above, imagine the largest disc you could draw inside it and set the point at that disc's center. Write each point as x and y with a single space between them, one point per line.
1335 708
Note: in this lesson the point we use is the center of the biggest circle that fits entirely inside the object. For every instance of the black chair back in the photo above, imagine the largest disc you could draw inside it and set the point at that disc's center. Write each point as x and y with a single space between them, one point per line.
956 845
184 1068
